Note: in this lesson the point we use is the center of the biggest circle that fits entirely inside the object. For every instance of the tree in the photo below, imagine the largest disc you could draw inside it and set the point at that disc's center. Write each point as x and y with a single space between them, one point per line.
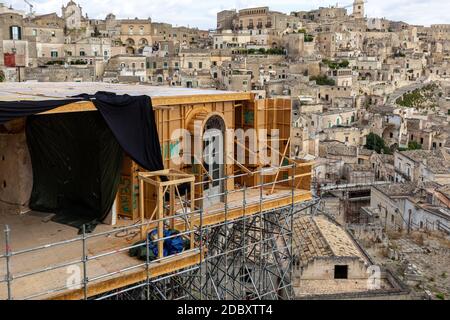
376 143
2 76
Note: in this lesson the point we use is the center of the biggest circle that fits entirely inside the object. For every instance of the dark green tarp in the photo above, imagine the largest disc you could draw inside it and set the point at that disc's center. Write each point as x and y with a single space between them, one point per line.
76 166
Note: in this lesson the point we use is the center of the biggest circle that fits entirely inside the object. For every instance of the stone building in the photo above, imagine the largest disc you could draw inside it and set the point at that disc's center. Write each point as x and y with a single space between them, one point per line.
126 68
406 207
383 166
136 35
421 166
72 14
331 264
358 9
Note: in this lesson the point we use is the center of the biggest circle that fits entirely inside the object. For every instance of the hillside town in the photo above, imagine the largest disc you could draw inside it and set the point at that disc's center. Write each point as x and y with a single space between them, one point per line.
370 107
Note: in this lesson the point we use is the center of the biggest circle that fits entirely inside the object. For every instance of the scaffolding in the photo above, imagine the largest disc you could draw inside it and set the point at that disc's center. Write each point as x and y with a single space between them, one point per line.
239 251
239 246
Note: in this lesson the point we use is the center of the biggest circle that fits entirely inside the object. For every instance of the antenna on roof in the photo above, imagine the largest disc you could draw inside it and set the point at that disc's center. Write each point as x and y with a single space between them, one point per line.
31 7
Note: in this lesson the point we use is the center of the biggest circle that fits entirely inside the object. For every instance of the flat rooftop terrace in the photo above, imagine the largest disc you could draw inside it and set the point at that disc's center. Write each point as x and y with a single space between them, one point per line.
40 91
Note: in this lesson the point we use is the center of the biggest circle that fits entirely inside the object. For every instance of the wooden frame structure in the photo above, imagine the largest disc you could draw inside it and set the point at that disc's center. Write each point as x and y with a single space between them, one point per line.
165 181
159 198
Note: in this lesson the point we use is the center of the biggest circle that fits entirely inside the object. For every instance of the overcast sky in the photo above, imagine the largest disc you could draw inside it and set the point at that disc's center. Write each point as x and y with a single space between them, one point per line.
202 13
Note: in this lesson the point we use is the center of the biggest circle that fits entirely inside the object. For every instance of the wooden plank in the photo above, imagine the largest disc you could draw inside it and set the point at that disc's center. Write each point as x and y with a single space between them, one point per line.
159 217
178 100
156 269
281 163
142 208
236 213
160 102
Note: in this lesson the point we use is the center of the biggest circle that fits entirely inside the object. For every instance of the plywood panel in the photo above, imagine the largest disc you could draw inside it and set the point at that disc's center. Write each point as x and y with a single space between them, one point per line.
128 192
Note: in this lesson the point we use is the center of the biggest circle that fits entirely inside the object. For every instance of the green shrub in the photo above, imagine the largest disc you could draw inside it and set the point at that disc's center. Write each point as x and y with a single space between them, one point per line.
440 296
336 64
413 145
56 62
309 38
78 62
271 51
2 76
323 80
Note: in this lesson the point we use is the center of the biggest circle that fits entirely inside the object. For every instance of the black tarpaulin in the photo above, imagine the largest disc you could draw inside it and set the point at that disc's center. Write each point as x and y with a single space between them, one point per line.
75 156
132 121
10 110
76 166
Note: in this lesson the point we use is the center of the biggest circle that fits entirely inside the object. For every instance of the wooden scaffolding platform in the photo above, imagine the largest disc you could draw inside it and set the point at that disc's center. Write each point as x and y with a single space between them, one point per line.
155 198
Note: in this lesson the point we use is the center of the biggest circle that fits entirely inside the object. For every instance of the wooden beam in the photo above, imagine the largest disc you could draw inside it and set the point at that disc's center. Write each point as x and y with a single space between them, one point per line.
279 168
209 219
163 102
241 165
142 208
156 269
159 216
203 168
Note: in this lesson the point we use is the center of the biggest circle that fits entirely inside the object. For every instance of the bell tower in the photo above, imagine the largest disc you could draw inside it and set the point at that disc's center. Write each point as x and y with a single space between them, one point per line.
358 9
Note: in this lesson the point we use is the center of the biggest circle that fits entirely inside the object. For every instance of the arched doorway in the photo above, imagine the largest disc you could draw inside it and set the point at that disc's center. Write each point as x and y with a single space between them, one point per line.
214 159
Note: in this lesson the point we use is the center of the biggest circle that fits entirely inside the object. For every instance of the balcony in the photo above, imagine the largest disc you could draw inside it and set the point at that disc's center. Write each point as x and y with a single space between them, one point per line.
403 175
259 26
250 27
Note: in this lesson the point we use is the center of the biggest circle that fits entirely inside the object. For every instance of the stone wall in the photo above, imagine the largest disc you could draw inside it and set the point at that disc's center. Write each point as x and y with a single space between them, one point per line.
323 269
16 177
60 74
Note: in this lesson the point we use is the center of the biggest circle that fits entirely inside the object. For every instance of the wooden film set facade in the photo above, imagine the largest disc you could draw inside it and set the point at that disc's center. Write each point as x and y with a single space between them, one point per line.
237 217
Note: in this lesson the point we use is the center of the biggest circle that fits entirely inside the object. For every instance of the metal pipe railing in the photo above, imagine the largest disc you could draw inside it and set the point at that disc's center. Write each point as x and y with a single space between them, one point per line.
200 229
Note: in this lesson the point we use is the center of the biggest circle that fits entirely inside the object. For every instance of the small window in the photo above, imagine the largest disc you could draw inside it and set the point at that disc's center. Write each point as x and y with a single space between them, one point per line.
15 33
340 272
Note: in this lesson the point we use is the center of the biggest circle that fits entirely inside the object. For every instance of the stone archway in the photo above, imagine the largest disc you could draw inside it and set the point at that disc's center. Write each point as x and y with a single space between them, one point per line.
214 159
209 147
